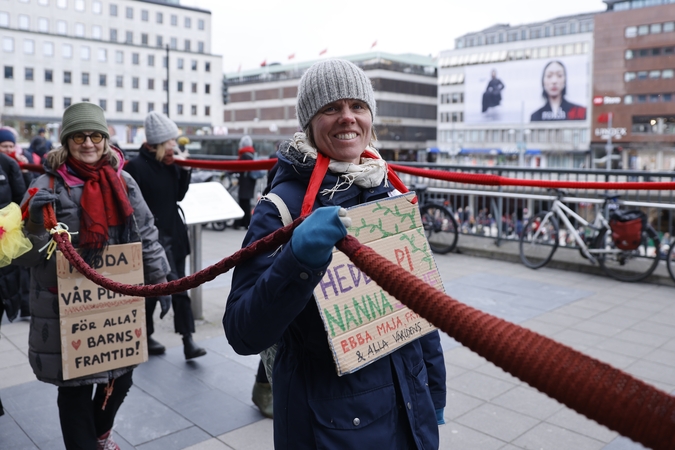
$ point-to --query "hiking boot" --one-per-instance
(154, 347)
(262, 398)
(190, 349)
(105, 442)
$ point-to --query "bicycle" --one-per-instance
(440, 225)
(541, 238)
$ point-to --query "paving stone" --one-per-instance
(552, 437)
(479, 385)
(498, 422)
(645, 338)
(177, 441)
(463, 357)
(573, 421)
(527, 400)
(623, 443)
(256, 436)
(456, 436)
(458, 404)
(652, 371)
(12, 436)
(625, 348)
(611, 358)
(211, 444)
(578, 339)
(543, 328)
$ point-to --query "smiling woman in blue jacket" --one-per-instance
(397, 401)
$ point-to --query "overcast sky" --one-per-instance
(248, 32)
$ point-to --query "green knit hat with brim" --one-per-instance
(83, 116)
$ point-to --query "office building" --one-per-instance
(112, 53)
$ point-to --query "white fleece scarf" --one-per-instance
(368, 174)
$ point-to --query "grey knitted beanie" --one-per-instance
(159, 128)
(83, 116)
(245, 141)
(329, 81)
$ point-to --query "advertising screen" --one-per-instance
(536, 90)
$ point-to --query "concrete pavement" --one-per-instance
(206, 403)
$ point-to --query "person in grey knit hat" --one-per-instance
(395, 398)
(164, 184)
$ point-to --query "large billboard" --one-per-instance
(535, 90)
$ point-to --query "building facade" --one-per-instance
(262, 101)
(112, 53)
(511, 95)
(634, 83)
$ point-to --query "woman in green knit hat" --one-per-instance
(100, 205)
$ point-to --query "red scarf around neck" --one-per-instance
(104, 204)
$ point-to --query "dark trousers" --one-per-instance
(183, 319)
(82, 418)
(261, 376)
(245, 204)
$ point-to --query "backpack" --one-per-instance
(626, 227)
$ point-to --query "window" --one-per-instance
(4, 19)
(135, 58)
(668, 27)
(29, 101)
(188, 22)
(179, 63)
(151, 60)
(113, 10)
(63, 4)
(628, 99)
(179, 86)
(119, 56)
(165, 108)
(43, 2)
(151, 107)
(629, 54)
(9, 72)
(9, 99)
(85, 78)
(179, 109)
(207, 110)
(49, 102)
(174, 43)
(628, 76)
(28, 46)
(79, 5)
(207, 88)
(113, 35)
(24, 22)
(96, 32)
(43, 25)
(174, 20)
(85, 53)
(119, 106)
(103, 104)
(193, 64)
(144, 38)
(187, 45)
(134, 107)
(654, 74)
(642, 75)
(643, 30)
(119, 81)
(165, 85)
(641, 98)
(151, 84)
(102, 54)
(85, 99)
(165, 62)
(8, 44)
(200, 24)
(193, 110)
(61, 27)
(200, 47)
(160, 43)
(145, 15)
(79, 29)
(49, 75)
(134, 82)
(129, 37)
(67, 101)
(130, 12)
(28, 75)
(67, 77)
(668, 73)
(67, 51)
(655, 28)
(194, 88)
(102, 80)
(654, 98)
(207, 66)
(159, 17)
(96, 7)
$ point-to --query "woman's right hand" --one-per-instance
(41, 198)
(313, 241)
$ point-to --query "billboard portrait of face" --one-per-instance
(536, 90)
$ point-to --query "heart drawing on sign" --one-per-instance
(138, 331)
(76, 344)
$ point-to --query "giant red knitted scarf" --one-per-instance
(104, 204)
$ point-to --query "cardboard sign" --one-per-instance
(364, 322)
(101, 330)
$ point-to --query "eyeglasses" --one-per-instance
(79, 138)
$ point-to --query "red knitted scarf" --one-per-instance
(104, 204)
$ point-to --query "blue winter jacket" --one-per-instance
(271, 302)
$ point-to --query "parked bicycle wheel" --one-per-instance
(629, 265)
(670, 259)
(440, 227)
(539, 240)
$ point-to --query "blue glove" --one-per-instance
(440, 420)
(41, 198)
(164, 304)
(313, 241)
